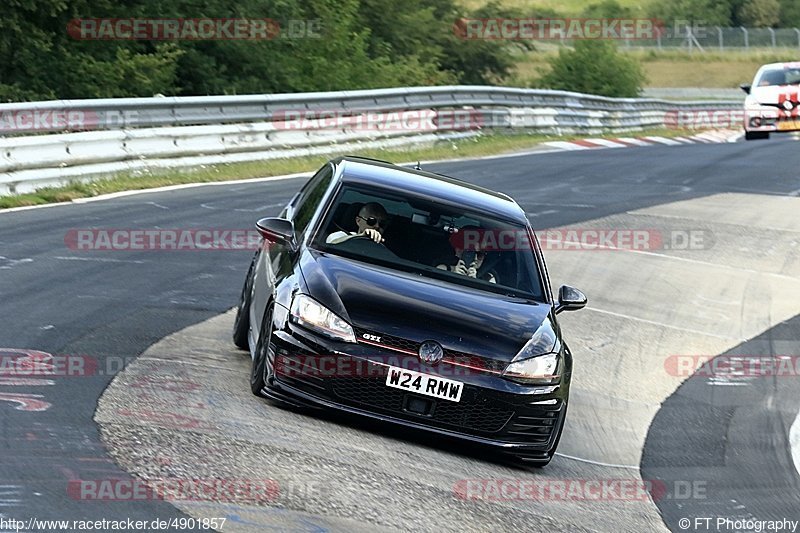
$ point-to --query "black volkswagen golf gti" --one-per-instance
(414, 298)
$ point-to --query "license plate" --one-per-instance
(789, 125)
(444, 389)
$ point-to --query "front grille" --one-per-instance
(468, 414)
(535, 424)
(450, 356)
(390, 341)
(474, 361)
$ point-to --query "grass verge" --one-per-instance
(491, 144)
(669, 68)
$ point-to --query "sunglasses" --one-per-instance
(373, 221)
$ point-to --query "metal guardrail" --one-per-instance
(687, 93)
(138, 133)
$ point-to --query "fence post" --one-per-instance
(772, 34)
(721, 41)
(746, 38)
(798, 36)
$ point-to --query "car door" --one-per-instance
(275, 262)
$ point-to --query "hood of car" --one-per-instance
(408, 306)
(774, 94)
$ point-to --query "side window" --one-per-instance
(309, 199)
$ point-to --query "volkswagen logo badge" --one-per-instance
(430, 352)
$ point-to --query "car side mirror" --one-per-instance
(570, 299)
(278, 231)
(745, 87)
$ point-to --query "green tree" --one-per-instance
(609, 9)
(594, 67)
(710, 12)
(427, 29)
(790, 13)
(759, 13)
(359, 44)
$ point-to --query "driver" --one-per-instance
(371, 222)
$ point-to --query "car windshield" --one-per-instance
(431, 239)
(779, 76)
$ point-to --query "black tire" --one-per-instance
(241, 325)
(260, 364)
(756, 135)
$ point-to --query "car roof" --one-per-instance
(433, 186)
(787, 64)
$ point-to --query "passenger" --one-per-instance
(475, 258)
(371, 222)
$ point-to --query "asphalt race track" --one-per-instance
(721, 279)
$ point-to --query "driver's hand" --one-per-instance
(472, 271)
(374, 234)
(461, 268)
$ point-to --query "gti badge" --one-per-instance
(430, 352)
(374, 338)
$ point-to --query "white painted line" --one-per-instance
(663, 140)
(608, 143)
(190, 363)
(687, 260)
(557, 145)
(683, 140)
(661, 324)
(540, 213)
(794, 442)
(598, 463)
(122, 194)
(98, 259)
(711, 137)
(12, 262)
(566, 145)
(754, 191)
(637, 142)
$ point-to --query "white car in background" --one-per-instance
(772, 103)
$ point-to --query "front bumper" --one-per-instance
(493, 411)
(770, 119)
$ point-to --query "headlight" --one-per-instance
(538, 361)
(751, 103)
(311, 314)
